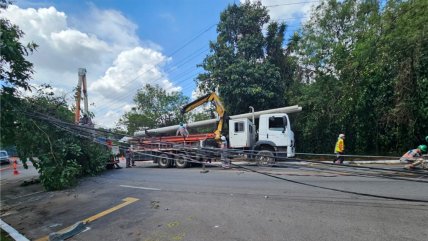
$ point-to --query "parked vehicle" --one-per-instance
(4, 157)
(265, 143)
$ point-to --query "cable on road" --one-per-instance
(332, 189)
(276, 177)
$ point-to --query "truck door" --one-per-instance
(238, 133)
(274, 128)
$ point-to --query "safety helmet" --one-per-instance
(341, 135)
(223, 138)
(423, 148)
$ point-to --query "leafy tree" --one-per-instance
(367, 65)
(246, 67)
(60, 157)
(154, 108)
(15, 70)
(59, 153)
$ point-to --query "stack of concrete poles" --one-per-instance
(171, 129)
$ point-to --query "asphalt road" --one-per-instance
(185, 204)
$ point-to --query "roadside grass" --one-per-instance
(5, 236)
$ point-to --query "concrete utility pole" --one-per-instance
(288, 109)
(81, 83)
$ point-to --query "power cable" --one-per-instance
(321, 187)
(287, 4)
(332, 189)
(109, 101)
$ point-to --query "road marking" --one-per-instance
(126, 201)
(144, 188)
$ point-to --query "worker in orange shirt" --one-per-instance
(339, 149)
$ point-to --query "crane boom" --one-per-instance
(215, 100)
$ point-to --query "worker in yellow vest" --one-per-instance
(339, 149)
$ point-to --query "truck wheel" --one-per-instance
(265, 158)
(181, 162)
(164, 161)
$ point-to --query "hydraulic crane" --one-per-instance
(215, 100)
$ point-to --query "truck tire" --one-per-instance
(265, 158)
(181, 162)
(164, 161)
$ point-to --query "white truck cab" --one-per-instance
(276, 129)
(275, 137)
(242, 133)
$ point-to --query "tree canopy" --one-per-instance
(58, 153)
(358, 67)
(246, 67)
(154, 107)
(368, 75)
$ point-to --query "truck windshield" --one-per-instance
(276, 123)
(3, 154)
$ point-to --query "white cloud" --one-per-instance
(131, 70)
(292, 12)
(109, 25)
(105, 42)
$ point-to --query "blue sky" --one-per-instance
(125, 44)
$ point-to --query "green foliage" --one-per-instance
(154, 108)
(247, 68)
(93, 159)
(367, 78)
(200, 116)
(59, 156)
(15, 70)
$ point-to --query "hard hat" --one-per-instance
(423, 148)
(341, 135)
(223, 138)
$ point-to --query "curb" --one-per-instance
(12, 232)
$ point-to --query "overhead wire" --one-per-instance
(170, 55)
(288, 4)
(91, 131)
(118, 98)
(289, 180)
(106, 105)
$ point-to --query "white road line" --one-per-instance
(12, 232)
(144, 188)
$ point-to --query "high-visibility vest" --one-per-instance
(340, 146)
